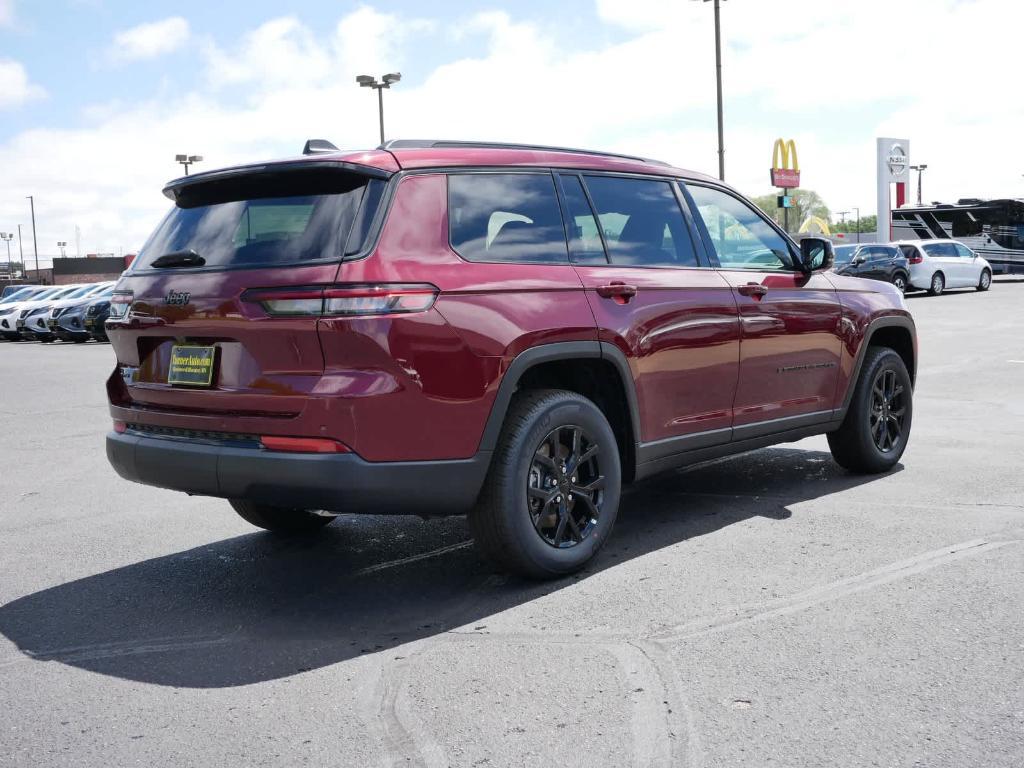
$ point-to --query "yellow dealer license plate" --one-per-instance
(191, 366)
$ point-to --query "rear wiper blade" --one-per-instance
(186, 258)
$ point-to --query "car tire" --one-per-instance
(876, 428)
(938, 284)
(284, 520)
(985, 282)
(556, 449)
(900, 281)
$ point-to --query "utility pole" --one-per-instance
(35, 243)
(21, 251)
(855, 208)
(842, 216)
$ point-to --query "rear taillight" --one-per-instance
(303, 444)
(345, 300)
(120, 302)
(917, 258)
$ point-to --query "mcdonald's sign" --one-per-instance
(785, 175)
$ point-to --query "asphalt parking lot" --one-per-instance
(766, 610)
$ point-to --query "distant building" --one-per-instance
(92, 269)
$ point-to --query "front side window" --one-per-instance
(740, 236)
(506, 217)
(641, 222)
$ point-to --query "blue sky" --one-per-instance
(96, 96)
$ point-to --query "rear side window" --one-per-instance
(264, 219)
(940, 250)
(642, 222)
(909, 251)
(585, 246)
(506, 217)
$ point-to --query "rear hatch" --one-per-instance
(229, 281)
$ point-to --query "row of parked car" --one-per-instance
(925, 265)
(50, 312)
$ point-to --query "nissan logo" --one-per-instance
(897, 160)
(177, 298)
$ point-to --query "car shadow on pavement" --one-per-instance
(258, 607)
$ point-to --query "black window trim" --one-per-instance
(563, 204)
(791, 244)
(493, 170)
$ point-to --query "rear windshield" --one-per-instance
(265, 219)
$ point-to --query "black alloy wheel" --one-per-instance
(565, 487)
(887, 411)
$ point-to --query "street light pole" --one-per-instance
(855, 208)
(368, 81)
(920, 170)
(718, 84)
(187, 160)
(35, 243)
(718, 78)
(7, 237)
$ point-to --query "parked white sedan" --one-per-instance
(936, 265)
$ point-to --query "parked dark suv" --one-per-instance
(507, 332)
(875, 262)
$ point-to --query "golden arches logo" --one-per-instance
(785, 174)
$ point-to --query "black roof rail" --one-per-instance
(442, 143)
(318, 146)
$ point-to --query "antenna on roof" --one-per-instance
(318, 146)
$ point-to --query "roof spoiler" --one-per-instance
(318, 146)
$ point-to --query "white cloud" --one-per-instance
(15, 87)
(650, 91)
(6, 13)
(147, 41)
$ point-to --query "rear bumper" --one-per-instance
(333, 482)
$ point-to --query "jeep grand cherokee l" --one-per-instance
(507, 332)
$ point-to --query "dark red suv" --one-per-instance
(508, 332)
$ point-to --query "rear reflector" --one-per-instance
(345, 300)
(120, 427)
(303, 444)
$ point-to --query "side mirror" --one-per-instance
(816, 254)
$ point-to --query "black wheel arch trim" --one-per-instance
(544, 353)
(888, 321)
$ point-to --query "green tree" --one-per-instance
(806, 202)
(867, 224)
